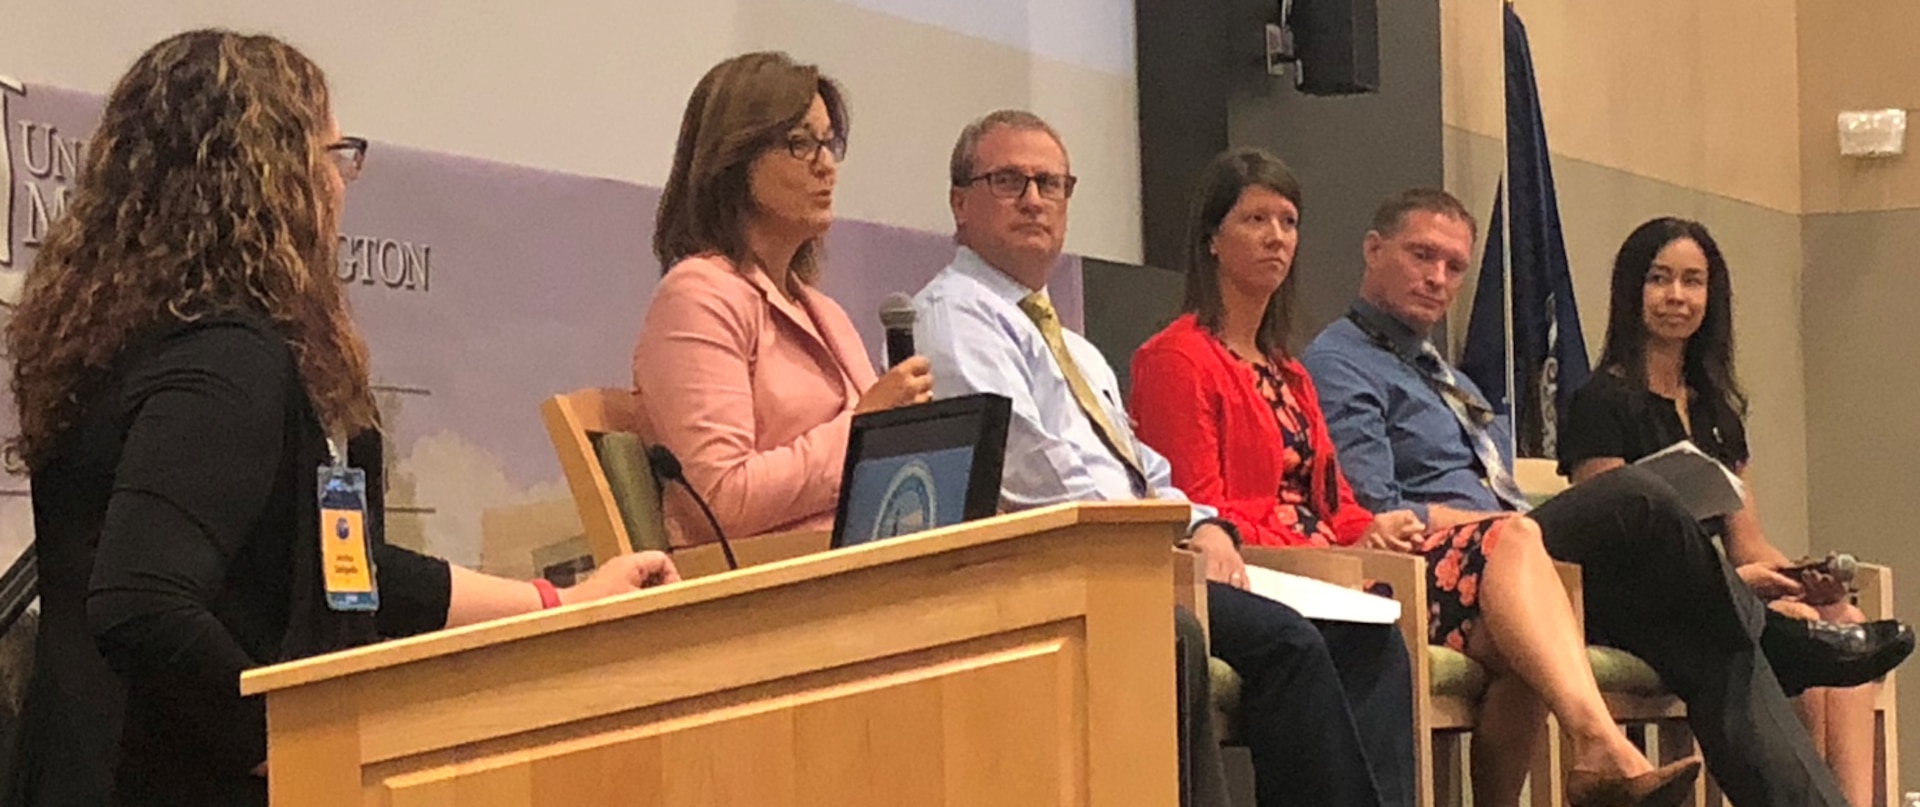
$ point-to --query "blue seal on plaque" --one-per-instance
(910, 504)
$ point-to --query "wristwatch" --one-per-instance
(1232, 531)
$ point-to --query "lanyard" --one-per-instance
(1476, 410)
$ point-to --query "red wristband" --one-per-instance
(549, 596)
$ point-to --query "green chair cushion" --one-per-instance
(1226, 699)
(635, 492)
(1453, 675)
(1617, 670)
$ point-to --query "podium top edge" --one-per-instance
(999, 529)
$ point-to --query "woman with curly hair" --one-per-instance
(187, 377)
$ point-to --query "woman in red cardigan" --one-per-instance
(1240, 422)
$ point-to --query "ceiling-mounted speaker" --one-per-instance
(1337, 45)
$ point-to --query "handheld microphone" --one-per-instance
(1843, 567)
(1840, 565)
(897, 315)
(667, 466)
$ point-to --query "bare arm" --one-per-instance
(1590, 468)
(1746, 541)
(1440, 516)
(478, 597)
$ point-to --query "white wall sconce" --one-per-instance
(1875, 133)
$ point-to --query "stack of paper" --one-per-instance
(1706, 487)
(1316, 599)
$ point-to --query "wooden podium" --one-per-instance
(1022, 660)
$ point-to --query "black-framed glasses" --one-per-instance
(807, 148)
(349, 154)
(1008, 183)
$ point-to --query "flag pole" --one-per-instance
(1506, 299)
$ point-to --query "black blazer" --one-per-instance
(178, 537)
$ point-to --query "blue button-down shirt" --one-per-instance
(1400, 444)
(969, 325)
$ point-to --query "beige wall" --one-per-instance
(1858, 54)
(1861, 235)
(1653, 109)
(596, 88)
(1473, 67)
(1696, 93)
(1863, 380)
(1473, 111)
(1723, 110)
(1861, 275)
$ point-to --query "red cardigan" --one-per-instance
(1198, 405)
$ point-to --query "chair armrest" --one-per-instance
(1330, 566)
(1875, 583)
(705, 559)
(1190, 585)
(1571, 580)
(1406, 574)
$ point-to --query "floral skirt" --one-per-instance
(1455, 558)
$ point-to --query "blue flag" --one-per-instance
(1549, 352)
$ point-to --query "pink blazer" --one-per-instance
(753, 392)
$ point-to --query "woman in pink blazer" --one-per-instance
(743, 369)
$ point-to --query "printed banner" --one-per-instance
(482, 289)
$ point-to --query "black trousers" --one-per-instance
(1656, 587)
(1326, 708)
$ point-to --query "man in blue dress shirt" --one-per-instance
(1415, 434)
(1326, 708)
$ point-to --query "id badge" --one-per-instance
(346, 561)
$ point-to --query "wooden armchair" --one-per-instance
(596, 433)
(1447, 685)
(1875, 583)
(1634, 693)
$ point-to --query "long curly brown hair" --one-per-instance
(207, 189)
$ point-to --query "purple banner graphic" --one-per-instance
(482, 289)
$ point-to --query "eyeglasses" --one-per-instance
(1008, 183)
(349, 155)
(806, 147)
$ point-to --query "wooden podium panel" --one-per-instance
(1022, 660)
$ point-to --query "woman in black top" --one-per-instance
(1666, 375)
(182, 352)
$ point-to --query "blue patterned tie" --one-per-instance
(1474, 416)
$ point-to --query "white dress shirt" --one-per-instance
(969, 324)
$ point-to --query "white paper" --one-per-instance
(1707, 488)
(1317, 599)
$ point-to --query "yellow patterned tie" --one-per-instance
(1040, 310)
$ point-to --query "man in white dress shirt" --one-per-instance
(1326, 708)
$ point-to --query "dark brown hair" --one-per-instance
(740, 109)
(1391, 215)
(1708, 361)
(205, 190)
(1219, 189)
